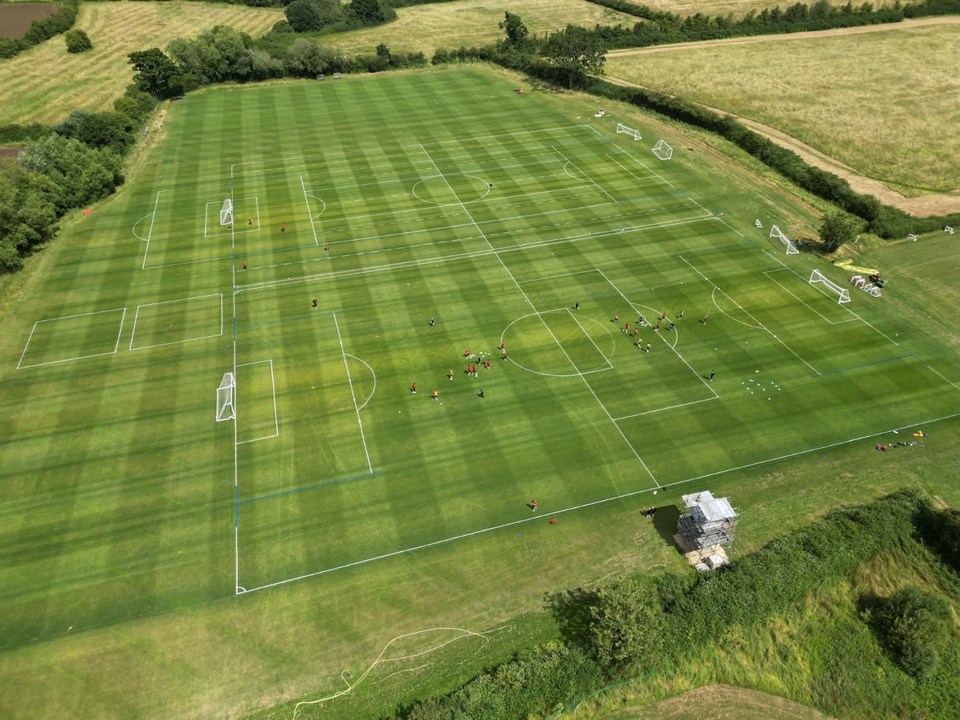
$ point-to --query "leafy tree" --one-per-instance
(156, 74)
(135, 104)
(575, 52)
(27, 214)
(217, 55)
(836, 229)
(99, 130)
(628, 625)
(303, 16)
(77, 41)
(329, 11)
(910, 625)
(79, 174)
(305, 58)
(516, 31)
(367, 12)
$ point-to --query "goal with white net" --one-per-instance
(624, 130)
(843, 295)
(226, 212)
(226, 394)
(787, 242)
(662, 150)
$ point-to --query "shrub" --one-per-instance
(910, 625)
(77, 41)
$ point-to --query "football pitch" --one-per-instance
(392, 231)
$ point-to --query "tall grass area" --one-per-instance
(884, 119)
(157, 563)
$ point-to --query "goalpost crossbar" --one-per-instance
(787, 242)
(226, 395)
(662, 150)
(843, 295)
(625, 130)
(226, 212)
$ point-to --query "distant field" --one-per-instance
(722, 8)
(15, 18)
(46, 83)
(472, 23)
(893, 118)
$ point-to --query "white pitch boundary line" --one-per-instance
(670, 407)
(506, 269)
(590, 179)
(21, 366)
(153, 219)
(389, 267)
(630, 172)
(273, 392)
(662, 338)
(560, 275)
(593, 503)
(306, 200)
(949, 382)
(760, 325)
(645, 166)
(346, 366)
(133, 331)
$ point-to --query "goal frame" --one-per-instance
(226, 212)
(843, 294)
(626, 130)
(226, 398)
(662, 150)
(791, 247)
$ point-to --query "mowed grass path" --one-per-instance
(128, 515)
(46, 83)
(472, 23)
(891, 118)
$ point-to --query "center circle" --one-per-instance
(451, 189)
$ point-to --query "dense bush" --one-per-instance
(21, 133)
(940, 530)
(910, 625)
(111, 130)
(77, 41)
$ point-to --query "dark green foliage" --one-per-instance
(156, 74)
(111, 130)
(303, 16)
(628, 626)
(532, 685)
(910, 625)
(836, 229)
(27, 214)
(80, 173)
(218, 55)
(21, 133)
(368, 12)
(516, 31)
(940, 530)
(135, 104)
(41, 30)
(77, 41)
(574, 52)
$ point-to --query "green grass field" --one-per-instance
(340, 509)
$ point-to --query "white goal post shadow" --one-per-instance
(843, 295)
(776, 232)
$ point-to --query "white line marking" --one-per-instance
(645, 166)
(346, 366)
(20, 362)
(153, 219)
(313, 228)
(374, 389)
(21, 366)
(587, 177)
(273, 391)
(944, 378)
(133, 332)
(664, 409)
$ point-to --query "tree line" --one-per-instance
(41, 30)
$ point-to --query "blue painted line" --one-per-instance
(866, 365)
(315, 486)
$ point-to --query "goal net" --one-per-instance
(843, 295)
(776, 232)
(226, 212)
(662, 150)
(624, 130)
(226, 394)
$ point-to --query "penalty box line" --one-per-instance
(593, 503)
(116, 347)
(273, 392)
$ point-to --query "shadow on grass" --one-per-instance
(573, 611)
(665, 521)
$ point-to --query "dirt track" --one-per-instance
(922, 206)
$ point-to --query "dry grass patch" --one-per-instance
(472, 23)
(46, 83)
(891, 118)
(737, 8)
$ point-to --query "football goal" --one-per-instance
(843, 295)
(226, 212)
(624, 130)
(662, 150)
(776, 232)
(225, 398)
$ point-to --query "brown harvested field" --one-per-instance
(45, 83)
(15, 18)
(891, 119)
(471, 23)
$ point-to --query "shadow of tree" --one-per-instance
(573, 611)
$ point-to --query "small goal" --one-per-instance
(226, 212)
(843, 295)
(776, 232)
(624, 130)
(662, 150)
(226, 395)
